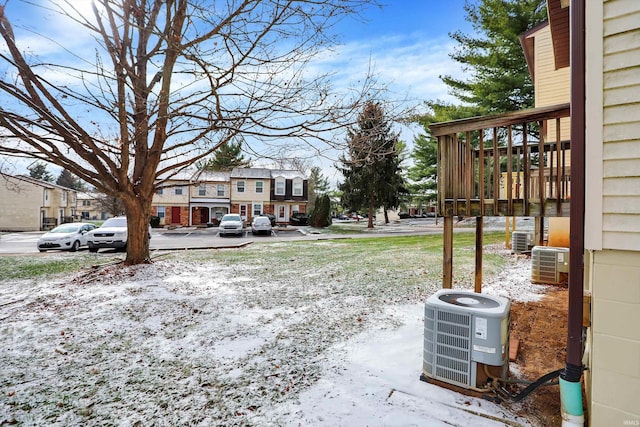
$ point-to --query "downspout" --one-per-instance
(570, 379)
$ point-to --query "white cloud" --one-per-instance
(409, 65)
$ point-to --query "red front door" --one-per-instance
(175, 214)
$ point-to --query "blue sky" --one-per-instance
(405, 42)
(408, 44)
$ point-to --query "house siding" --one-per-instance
(20, 204)
(612, 229)
(24, 201)
(615, 336)
(552, 86)
(621, 125)
(176, 206)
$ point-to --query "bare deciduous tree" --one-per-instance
(165, 84)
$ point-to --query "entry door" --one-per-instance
(243, 212)
(175, 214)
(282, 213)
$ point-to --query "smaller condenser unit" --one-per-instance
(521, 241)
(465, 333)
(549, 265)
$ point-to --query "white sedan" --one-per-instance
(66, 237)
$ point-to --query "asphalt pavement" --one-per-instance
(189, 238)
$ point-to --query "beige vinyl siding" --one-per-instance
(20, 205)
(612, 231)
(615, 355)
(621, 125)
(552, 87)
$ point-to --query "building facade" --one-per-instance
(201, 198)
(612, 210)
(171, 201)
(250, 189)
(210, 197)
(289, 194)
(29, 204)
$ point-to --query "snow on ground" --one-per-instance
(514, 281)
(193, 343)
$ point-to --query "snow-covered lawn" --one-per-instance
(324, 337)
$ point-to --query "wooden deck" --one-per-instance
(514, 164)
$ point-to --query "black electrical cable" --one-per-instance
(534, 385)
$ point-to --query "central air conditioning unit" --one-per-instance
(521, 241)
(550, 265)
(466, 335)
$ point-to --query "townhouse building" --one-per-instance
(289, 194)
(200, 198)
(171, 201)
(29, 204)
(250, 192)
(90, 207)
(210, 197)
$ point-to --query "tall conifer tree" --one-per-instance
(371, 168)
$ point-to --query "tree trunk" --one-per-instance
(371, 213)
(137, 232)
(386, 216)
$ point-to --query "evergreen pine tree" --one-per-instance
(227, 157)
(39, 171)
(67, 179)
(371, 168)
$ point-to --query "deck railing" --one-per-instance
(514, 164)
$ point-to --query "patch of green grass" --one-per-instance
(25, 267)
(407, 260)
(343, 229)
(401, 256)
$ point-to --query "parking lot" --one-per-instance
(205, 238)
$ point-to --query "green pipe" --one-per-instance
(571, 403)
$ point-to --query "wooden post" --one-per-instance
(539, 231)
(447, 248)
(478, 275)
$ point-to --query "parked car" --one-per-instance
(65, 237)
(272, 219)
(111, 234)
(299, 219)
(404, 215)
(261, 225)
(231, 224)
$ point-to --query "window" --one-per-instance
(64, 198)
(257, 209)
(297, 187)
(161, 211)
(280, 186)
(295, 209)
(202, 190)
(259, 187)
(86, 203)
(160, 191)
(240, 186)
(220, 190)
(177, 191)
